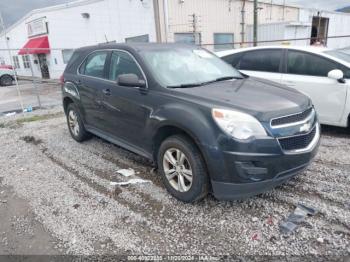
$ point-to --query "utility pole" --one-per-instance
(3, 28)
(255, 27)
(194, 24)
(243, 22)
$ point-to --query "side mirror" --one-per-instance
(336, 74)
(131, 80)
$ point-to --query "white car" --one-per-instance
(7, 77)
(322, 74)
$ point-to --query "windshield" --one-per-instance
(187, 67)
(343, 54)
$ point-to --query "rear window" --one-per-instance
(94, 65)
(233, 59)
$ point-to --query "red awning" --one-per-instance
(39, 45)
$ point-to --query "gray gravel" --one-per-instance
(67, 185)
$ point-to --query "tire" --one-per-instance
(6, 80)
(179, 183)
(75, 124)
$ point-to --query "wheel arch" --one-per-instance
(4, 75)
(66, 101)
(168, 130)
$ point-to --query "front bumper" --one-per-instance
(250, 173)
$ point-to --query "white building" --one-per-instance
(57, 30)
(213, 23)
(310, 23)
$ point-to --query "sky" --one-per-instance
(12, 10)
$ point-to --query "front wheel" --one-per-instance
(183, 169)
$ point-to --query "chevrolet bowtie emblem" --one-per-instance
(305, 128)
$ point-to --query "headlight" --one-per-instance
(237, 124)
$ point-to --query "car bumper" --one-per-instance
(248, 174)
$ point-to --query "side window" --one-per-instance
(262, 60)
(233, 59)
(302, 63)
(94, 65)
(122, 63)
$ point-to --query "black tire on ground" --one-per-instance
(6, 80)
(82, 134)
(200, 179)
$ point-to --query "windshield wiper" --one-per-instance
(222, 79)
(185, 85)
(227, 78)
(205, 83)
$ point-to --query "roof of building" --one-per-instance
(49, 9)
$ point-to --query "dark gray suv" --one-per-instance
(206, 127)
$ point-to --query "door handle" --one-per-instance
(106, 92)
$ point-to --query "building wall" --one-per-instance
(109, 20)
(281, 31)
(216, 16)
(339, 24)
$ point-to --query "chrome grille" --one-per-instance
(291, 118)
(297, 142)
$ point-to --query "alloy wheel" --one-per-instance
(177, 169)
(73, 122)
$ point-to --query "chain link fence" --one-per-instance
(29, 79)
(34, 73)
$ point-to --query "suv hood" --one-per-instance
(261, 98)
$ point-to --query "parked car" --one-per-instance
(207, 127)
(6, 66)
(322, 74)
(6, 77)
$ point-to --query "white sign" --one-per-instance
(37, 27)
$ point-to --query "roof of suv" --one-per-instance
(138, 46)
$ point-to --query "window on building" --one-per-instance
(15, 61)
(26, 61)
(267, 60)
(123, 63)
(187, 38)
(138, 39)
(94, 65)
(67, 54)
(302, 63)
(223, 41)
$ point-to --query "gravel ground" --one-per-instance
(67, 186)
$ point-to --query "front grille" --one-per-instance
(297, 142)
(291, 118)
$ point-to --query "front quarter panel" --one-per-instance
(198, 124)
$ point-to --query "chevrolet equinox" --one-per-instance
(206, 126)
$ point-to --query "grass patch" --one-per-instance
(38, 118)
(2, 125)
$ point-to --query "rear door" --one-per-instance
(91, 81)
(307, 73)
(263, 63)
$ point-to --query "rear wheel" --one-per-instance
(6, 80)
(75, 124)
(183, 169)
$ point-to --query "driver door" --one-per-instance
(125, 107)
(307, 73)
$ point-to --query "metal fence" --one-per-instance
(35, 79)
(36, 73)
